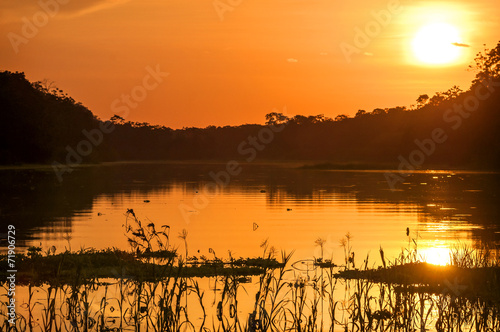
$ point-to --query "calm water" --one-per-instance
(289, 207)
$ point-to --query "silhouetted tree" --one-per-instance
(301, 120)
(452, 93)
(422, 100)
(360, 113)
(275, 118)
(38, 123)
(116, 119)
(395, 110)
(319, 118)
(378, 111)
(437, 99)
(487, 64)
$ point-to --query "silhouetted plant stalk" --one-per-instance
(280, 305)
(286, 298)
(227, 307)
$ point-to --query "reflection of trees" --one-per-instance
(35, 198)
(454, 200)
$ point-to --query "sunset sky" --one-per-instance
(233, 61)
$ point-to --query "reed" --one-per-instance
(144, 291)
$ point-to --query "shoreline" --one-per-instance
(305, 165)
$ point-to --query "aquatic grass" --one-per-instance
(158, 306)
(270, 299)
(482, 256)
(229, 296)
(48, 313)
(411, 291)
(195, 288)
(345, 243)
(328, 289)
(142, 293)
(298, 300)
(65, 268)
(146, 239)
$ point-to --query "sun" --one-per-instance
(437, 44)
(436, 255)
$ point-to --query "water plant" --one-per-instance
(140, 290)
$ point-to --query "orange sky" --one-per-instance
(262, 54)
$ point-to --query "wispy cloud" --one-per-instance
(12, 11)
(79, 8)
(292, 60)
(460, 45)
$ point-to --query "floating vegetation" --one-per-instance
(467, 282)
(87, 264)
(138, 290)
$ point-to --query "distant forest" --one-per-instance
(42, 124)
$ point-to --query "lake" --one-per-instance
(289, 207)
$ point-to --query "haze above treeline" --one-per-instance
(452, 129)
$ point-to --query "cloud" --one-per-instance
(292, 60)
(460, 45)
(14, 11)
(368, 54)
(79, 8)
(323, 53)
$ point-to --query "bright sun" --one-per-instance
(434, 44)
(436, 256)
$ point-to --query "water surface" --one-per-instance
(289, 207)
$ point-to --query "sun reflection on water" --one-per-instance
(436, 255)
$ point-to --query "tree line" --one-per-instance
(40, 123)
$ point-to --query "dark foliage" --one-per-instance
(40, 124)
